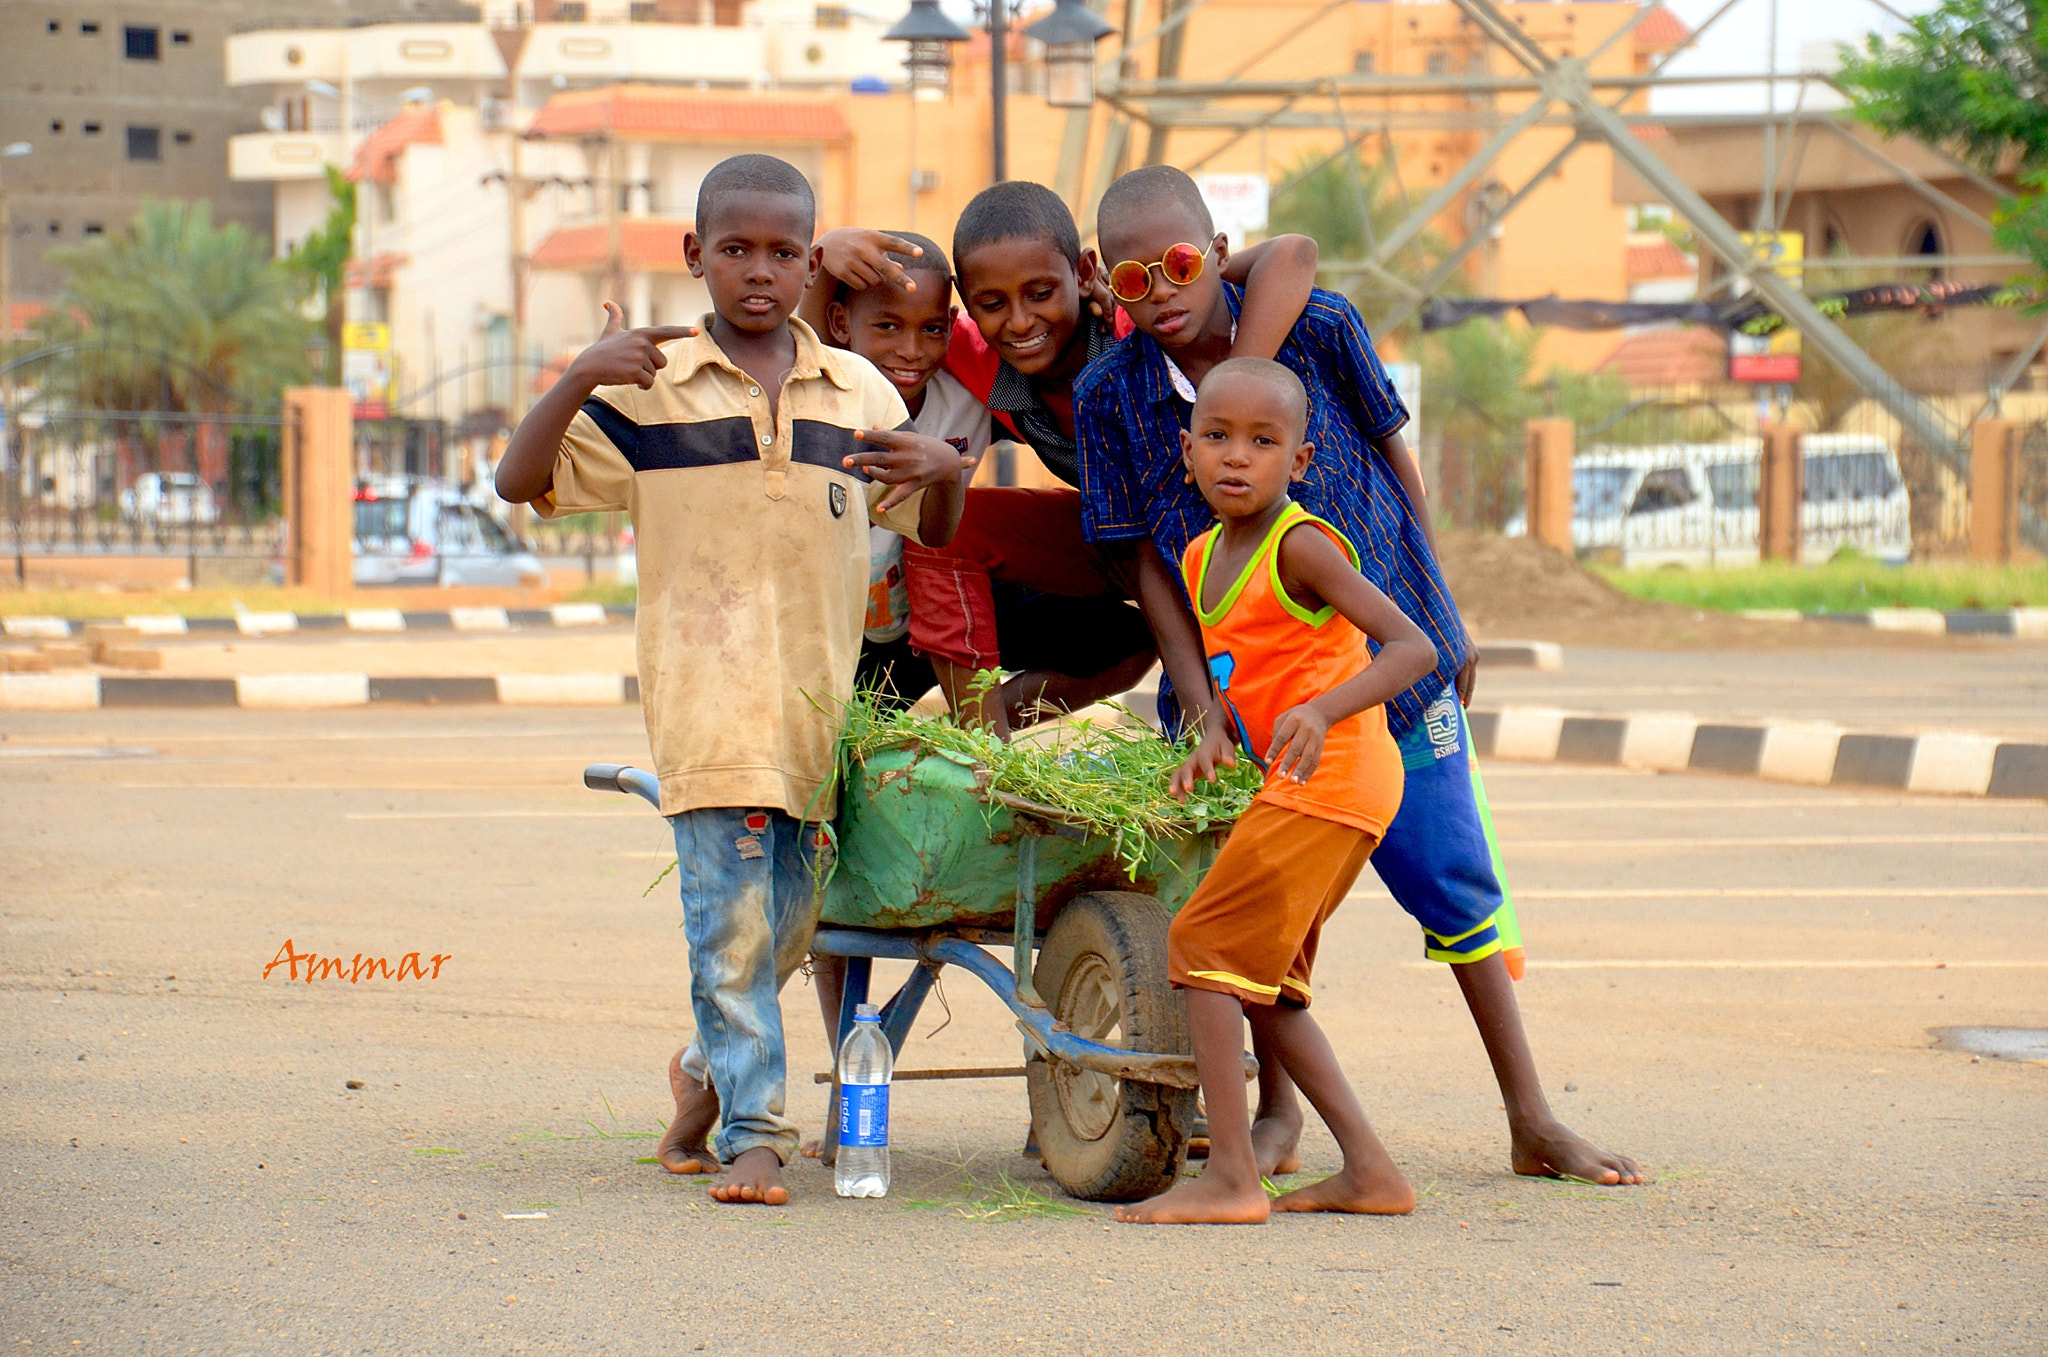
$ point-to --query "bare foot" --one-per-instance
(754, 1178)
(1206, 1200)
(1551, 1149)
(685, 1147)
(814, 1149)
(1387, 1194)
(1276, 1142)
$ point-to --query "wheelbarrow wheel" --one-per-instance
(1103, 971)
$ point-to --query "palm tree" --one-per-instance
(320, 261)
(178, 314)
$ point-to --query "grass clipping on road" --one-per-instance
(1109, 780)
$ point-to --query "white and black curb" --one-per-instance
(356, 619)
(2027, 624)
(1813, 752)
(305, 692)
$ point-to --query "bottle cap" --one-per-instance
(867, 1013)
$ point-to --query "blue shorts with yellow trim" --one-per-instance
(1438, 858)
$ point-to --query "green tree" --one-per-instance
(1477, 391)
(177, 313)
(1347, 208)
(321, 260)
(1972, 73)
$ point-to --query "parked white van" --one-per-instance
(1694, 504)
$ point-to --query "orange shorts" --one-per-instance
(1252, 926)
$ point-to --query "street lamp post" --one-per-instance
(1070, 33)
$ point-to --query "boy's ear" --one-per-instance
(693, 253)
(1221, 244)
(1302, 456)
(1087, 267)
(838, 325)
(1187, 462)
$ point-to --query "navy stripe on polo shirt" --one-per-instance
(1128, 422)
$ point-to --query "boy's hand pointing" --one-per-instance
(859, 257)
(622, 357)
(908, 461)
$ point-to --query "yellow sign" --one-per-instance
(366, 367)
(1784, 251)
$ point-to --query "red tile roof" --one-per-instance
(644, 243)
(1687, 355)
(1659, 259)
(654, 113)
(25, 315)
(1660, 31)
(377, 157)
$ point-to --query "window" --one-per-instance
(1438, 62)
(141, 43)
(93, 228)
(182, 138)
(571, 12)
(1853, 475)
(89, 27)
(644, 12)
(1925, 240)
(55, 228)
(831, 16)
(145, 143)
(1364, 63)
(1669, 488)
(56, 25)
(180, 38)
(90, 129)
(56, 126)
(1597, 491)
(1733, 484)
(726, 13)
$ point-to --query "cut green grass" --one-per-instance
(1839, 586)
(1005, 1199)
(437, 1149)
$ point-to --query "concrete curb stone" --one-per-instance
(355, 619)
(1811, 752)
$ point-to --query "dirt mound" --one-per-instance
(1517, 588)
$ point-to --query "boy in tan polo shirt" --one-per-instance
(737, 451)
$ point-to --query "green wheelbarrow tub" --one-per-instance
(923, 843)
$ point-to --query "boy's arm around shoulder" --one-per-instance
(1277, 276)
(619, 357)
(1313, 565)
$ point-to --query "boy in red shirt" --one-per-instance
(1285, 617)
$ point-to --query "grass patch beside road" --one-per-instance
(1839, 586)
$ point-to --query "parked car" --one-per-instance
(169, 498)
(427, 534)
(1695, 504)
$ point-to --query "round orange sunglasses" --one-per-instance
(1131, 281)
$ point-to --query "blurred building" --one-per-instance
(126, 102)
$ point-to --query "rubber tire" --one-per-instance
(1142, 1152)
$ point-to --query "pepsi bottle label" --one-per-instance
(864, 1115)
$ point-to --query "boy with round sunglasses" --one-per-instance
(1437, 858)
(1024, 284)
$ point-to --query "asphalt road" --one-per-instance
(1733, 981)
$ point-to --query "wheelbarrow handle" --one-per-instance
(619, 777)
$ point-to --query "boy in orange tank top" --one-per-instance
(1285, 617)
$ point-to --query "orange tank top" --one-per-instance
(1267, 654)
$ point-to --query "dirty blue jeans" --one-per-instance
(749, 909)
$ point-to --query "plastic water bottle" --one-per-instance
(865, 1064)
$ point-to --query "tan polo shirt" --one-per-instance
(753, 559)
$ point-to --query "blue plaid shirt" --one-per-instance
(1128, 422)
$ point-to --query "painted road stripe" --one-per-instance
(1661, 805)
(479, 619)
(157, 624)
(577, 614)
(1813, 841)
(301, 692)
(375, 619)
(49, 692)
(620, 813)
(266, 624)
(561, 690)
(1796, 964)
(36, 628)
(1792, 893)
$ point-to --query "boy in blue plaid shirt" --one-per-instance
(1131, 405)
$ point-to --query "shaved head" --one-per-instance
(1275, 382)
